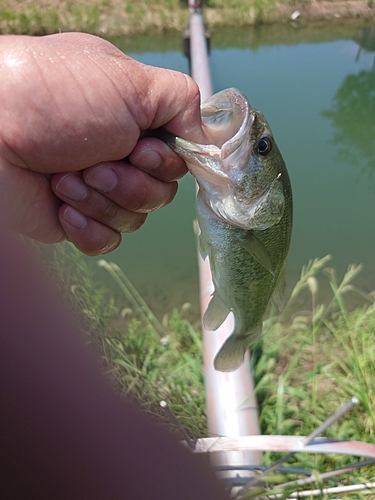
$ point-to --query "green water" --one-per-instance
(316, 87)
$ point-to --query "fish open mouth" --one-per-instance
(227, 120)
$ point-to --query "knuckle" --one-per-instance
(110, 212)
(193, 93)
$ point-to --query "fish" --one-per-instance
(244, 212)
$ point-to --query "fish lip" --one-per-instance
(196, 155)
(234, 142)
(191, 150)
(230, 146)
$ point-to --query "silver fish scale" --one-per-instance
(238, 278)
(241, 282)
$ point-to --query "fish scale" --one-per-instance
(244, 211)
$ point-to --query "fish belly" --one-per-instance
(242, 286)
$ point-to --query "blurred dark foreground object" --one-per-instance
(65, 434)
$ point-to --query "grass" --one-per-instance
(124, 17)
(101, 17)
(306, 365)
(147, 360)
(313, 363)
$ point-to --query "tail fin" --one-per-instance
(232, 353)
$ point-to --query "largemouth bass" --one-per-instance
(244, 211)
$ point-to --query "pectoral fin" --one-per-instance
(203, 246)
(257, 250)
(215, 314)
(278, 294)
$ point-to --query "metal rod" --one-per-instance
(226, 393)
(326, 475)
(338, 414)
(172, 417)
(303, 442)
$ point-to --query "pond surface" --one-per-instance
(316, 88)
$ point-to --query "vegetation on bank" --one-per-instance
(123, 17)
(306, 365)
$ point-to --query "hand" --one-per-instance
(72, 107)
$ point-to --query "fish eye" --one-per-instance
(264, 145)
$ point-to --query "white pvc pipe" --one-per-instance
(230, 401)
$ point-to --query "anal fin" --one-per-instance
(232, 353)
(215, 313)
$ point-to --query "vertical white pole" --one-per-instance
(226, 393)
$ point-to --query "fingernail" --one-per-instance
(72, 187)
(101, 178)
(147, 158)
(75, 218)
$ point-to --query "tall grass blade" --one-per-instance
(132, 295)
(310, 270)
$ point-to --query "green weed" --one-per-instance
(147, 361)
(312, 363)
(306, 365)
(123, 17)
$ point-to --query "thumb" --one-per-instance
(178, 107)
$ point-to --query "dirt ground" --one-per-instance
(329, 9)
